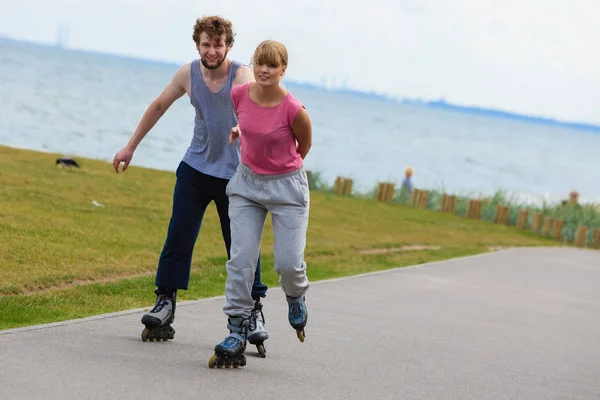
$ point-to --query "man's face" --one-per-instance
(213, 51)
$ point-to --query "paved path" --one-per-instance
(514, 324)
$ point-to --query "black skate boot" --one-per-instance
(158, 320)
(230, 352)
(257, 334)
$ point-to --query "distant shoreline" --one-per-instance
(438, 104)
(442, 104)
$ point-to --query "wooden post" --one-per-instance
(342, 185)
(469, 209)
(423, 199)
(581, 236)
(386, 194)
(385, 191)
(389, 192)
(502, 213)
(558, 228)
(597, 238)
(347, 186)
(452, 205)
(448, 203)
(499, 214)
(474, 209)
(380, 187)
(522, 219)
(337, 186)
(416, 194)
(536, 222)
(548, 227)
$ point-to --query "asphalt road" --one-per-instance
(512, 324)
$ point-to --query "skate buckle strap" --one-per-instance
(231, 342)
(238, 325)
(297, 310)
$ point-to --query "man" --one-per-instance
(203, 174)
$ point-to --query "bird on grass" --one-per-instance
(67, 162)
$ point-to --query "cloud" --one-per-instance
(529, 56)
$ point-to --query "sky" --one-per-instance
(537, 57)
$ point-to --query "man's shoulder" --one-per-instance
(243, 74)
(240, 65)
(242, 69)
(185, 66)
(183, 72)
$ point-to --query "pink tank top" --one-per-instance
(268, 142)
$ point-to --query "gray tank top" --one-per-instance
(210, 151)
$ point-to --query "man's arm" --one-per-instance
(173, 91)
(302, 128)
(242, 75)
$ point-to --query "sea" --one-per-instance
(86, 104)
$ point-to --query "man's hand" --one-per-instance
(123, 156)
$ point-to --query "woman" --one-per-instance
(275, 134)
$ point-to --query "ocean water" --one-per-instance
(87, 104)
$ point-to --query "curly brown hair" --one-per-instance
(214, 26)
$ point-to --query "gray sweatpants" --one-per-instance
(251, 196)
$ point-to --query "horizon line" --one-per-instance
(440, 103)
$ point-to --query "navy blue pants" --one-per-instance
(193, 193)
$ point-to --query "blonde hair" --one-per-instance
(409, 171)
(270, 52)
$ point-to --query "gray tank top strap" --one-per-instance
(210, 151)
(198, 86)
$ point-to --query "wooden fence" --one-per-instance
(546, 226)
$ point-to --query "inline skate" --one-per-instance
(256, 329)
(297, 315)
(230, 352)
(158, 320)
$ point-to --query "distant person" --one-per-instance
(204, 172)
(407, 182)
(573, 199)
(276, 135)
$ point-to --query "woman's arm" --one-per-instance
(302, 128)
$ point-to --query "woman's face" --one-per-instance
(268, 74)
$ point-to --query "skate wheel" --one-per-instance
(213, 361)
(261, 350)
(145, 335)
(300, 335)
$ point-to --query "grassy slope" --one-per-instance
(63, 257)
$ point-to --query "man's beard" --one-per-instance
(207, 66)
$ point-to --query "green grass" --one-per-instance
(63, 257)
(572, 215)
